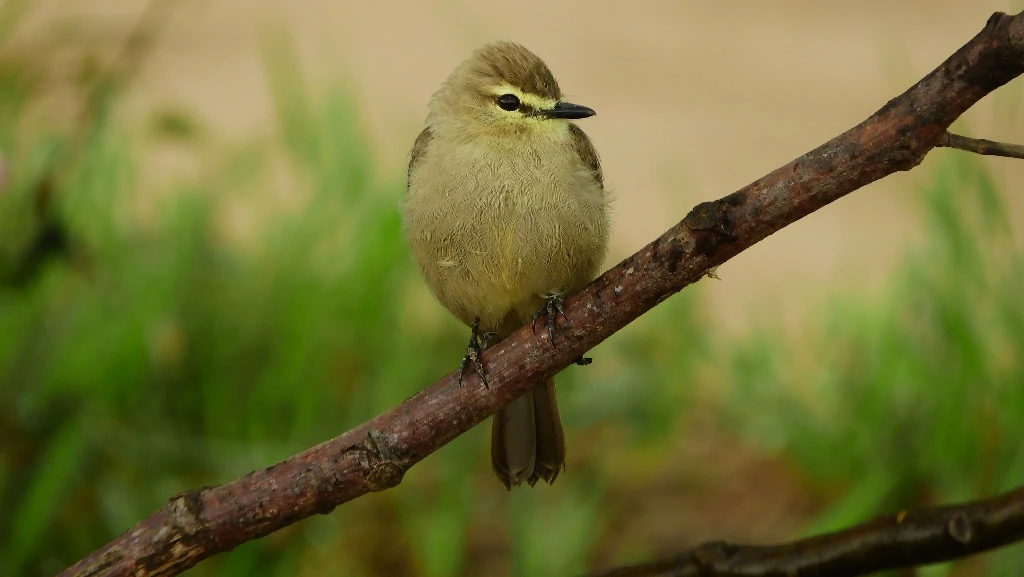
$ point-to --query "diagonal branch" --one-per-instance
(907, 538)
(375, 455)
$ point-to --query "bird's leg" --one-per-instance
(552, 305)
(476, 346)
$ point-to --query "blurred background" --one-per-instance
(202, 272)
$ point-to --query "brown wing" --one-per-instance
(418, 148)
(587, 153)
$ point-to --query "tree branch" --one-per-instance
(979, 146)
(890, 542)
(375, 455)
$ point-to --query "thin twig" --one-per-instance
(894, 541)
(980, 146)
(126, 63)
(3, 172)
(52, 237)
(375, 455)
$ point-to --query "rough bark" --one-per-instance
(890, 542)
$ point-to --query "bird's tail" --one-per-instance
(527, 441)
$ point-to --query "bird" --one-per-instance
(505, 213)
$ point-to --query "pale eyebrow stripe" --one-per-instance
(530, 100)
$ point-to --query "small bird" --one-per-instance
(505, 213)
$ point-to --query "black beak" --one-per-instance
(568, 111)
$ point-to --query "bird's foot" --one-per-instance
(552, 305)
(476, 346)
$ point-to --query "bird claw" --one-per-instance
(477, 344)
(552, 305)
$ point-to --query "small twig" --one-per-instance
(980, 146)
(906, 538)
(3, 173)
(52, 237)
(126, 63)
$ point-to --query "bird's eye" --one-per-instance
(508, 102)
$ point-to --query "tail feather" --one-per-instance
(527, 440)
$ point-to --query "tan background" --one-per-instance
(694, 99)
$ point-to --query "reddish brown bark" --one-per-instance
(375, 455)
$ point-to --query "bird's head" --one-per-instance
(502, 88)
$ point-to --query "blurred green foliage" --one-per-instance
(148, 354)
(154, 356)
(914, 396)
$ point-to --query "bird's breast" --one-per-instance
(493, 227)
